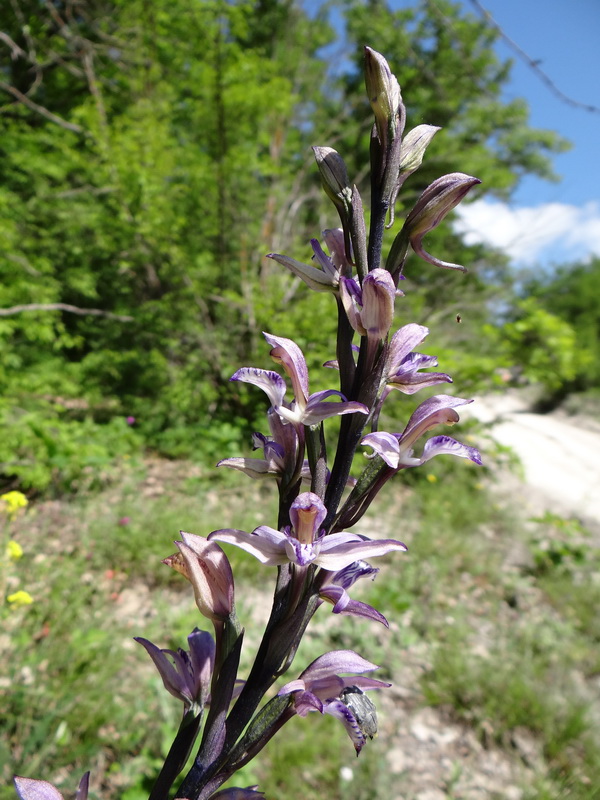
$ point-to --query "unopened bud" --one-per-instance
(370, 308)
(334, 176)
(207, 568)
(378, 296)
(383, 90)
(413, 148)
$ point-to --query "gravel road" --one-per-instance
(560, 455)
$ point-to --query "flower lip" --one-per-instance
(306, 515)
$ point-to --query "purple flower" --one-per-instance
(280, 451)
(334, 591)
(306, 409)
(130, 420)
(304, 542)
(319, 688)
(403, 367)
(438, 199)
(186, 674)
(396, 449)
(29, 789)
(370, 308)
(325, 279)
(207, 568)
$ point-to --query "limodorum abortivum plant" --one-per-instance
(310, 551)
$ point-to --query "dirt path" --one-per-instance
(560, 456)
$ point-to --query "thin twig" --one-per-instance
(94, 312)
(533, 63)
(70, 126)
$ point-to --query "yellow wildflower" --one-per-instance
(431, 478)
(12, 503)
(14, 551)
(20, 598)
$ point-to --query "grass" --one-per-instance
(510, 652)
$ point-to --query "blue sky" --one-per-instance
(546, 223)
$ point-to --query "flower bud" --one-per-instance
(370, 308)
(413, 148)
(383, 90)
(207, 568)
(378, 297)
(334, 176)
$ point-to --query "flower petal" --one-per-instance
(341, 711)
(306, 515)
(264, 543)
(385, 445)
(403, 342)
(378, 298)
(348, 576)
(288, 354)
(235, 793)
(351, 297)
(343, 604)
(305, 702)
(326, 263)
(435, 410)
(336, 661)
(253, 467)
(318, 409)
(446, 445)
(209, 573)
(172, 680)
(270, 382)
(317, 279)
(30, 789)
(335, 556)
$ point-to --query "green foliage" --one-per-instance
(560, 546)
(570, 293)
(44, 449)
(542, 346)
(71, 708)
(170, 153)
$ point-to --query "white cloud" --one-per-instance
(548, 233)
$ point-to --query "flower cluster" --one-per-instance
(317, 557)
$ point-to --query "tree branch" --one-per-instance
(70, 126)
(533, 63)
(94, 312)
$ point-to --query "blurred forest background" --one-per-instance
(152, 153)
